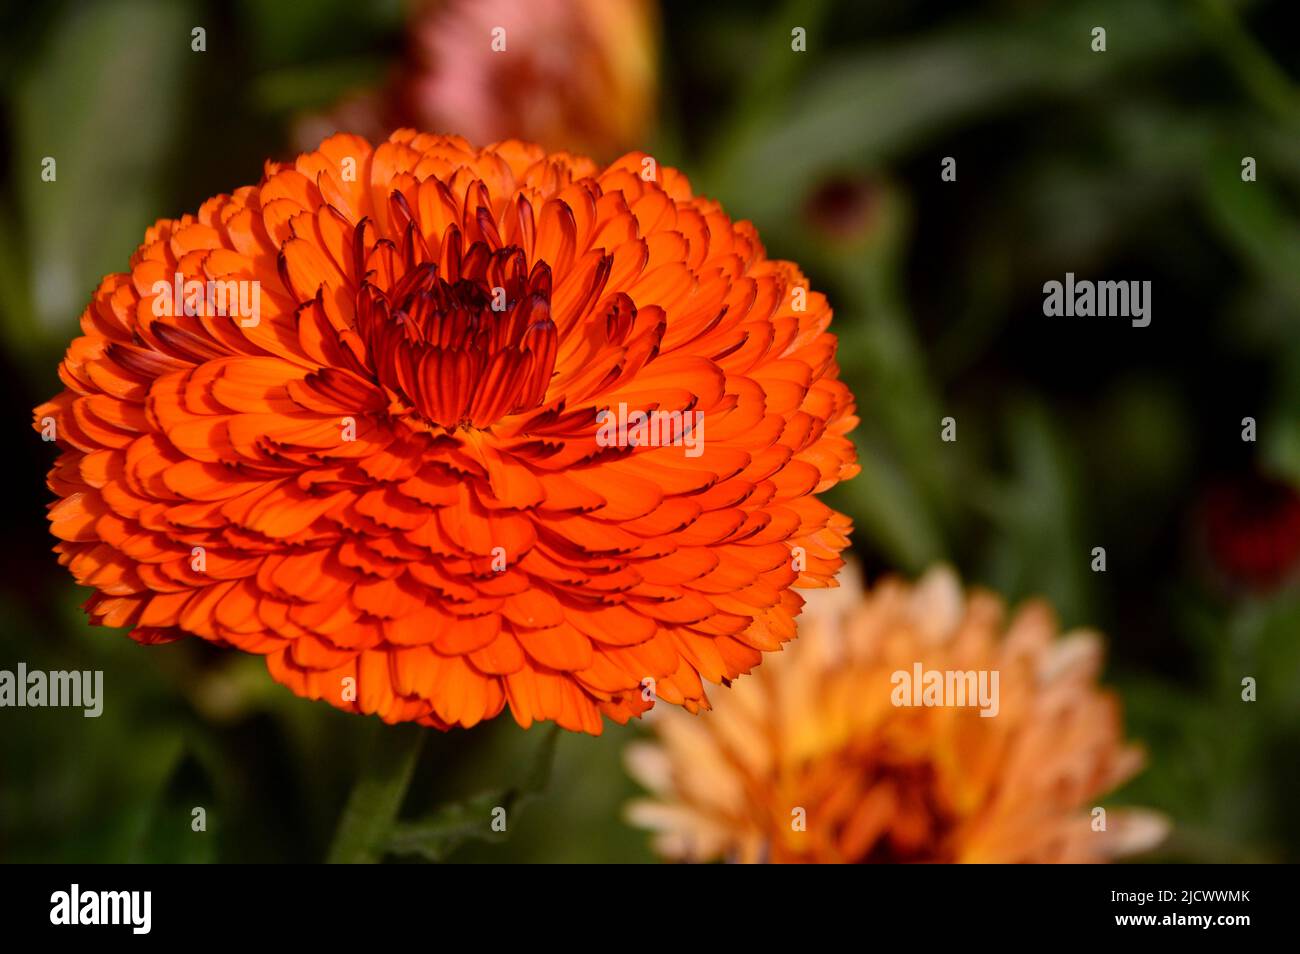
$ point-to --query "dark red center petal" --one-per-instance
(465, 341)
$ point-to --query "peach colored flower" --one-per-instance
(811, 760)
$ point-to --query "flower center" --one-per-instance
(466, 341)
(876, 806)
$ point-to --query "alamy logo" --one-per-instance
(947, 688)
(240, 299)
(103, 907)
(75, 689)
(1087, 299)
(656, 429)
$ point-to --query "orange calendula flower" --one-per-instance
(358, 419)
(879, 735)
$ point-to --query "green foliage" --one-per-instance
(80, 104)
(439, 834)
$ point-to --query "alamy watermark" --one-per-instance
(1088, 299)
(656, 428)
(947, 688)
(58, 688)
(134, 908)
(238, 299)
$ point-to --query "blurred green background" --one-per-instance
(1072, 434)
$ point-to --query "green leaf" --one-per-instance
(101, 101)
(169, 836)
(378, 794)
(437, 835)
(1251, 217)
(870, 105)
(887, 509)
(1038, 549)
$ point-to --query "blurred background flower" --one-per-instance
(813, 759)
(1070, 434)
(1251, 528)
(575, 75)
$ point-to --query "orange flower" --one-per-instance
(579, 75)
(824, 755)
(383, 471)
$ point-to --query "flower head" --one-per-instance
(822, 757)
(579, 75)
(1251, 526)
(348, 419)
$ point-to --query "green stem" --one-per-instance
(377, 795)
(1261, 77)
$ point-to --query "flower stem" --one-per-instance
(377, 795)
